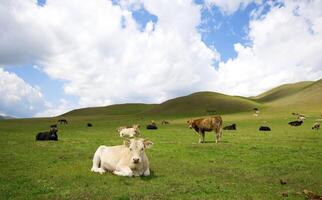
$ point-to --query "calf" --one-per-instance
(207, 124)
(295, 123)
(316, 126)
(128, 159)
(230, 127)
(130, 132)
(48, 135)
(264, 128)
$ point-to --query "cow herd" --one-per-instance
(130, 159)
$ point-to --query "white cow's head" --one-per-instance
(136, 148)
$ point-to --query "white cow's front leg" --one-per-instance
(98, 170)
(123, 171)
(147, 172)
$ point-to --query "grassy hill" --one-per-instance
(306, 98)
(282, 91)
(203, 103)
(305, 95)
(118, 109)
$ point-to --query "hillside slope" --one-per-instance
(307, 98)
(203, 103)
(282, 91)
(117, 109)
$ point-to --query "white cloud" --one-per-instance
(17, 98)
(286, 47)
(106, 63)
(230, 6)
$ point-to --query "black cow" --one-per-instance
(151, 126)
(296, 123)
(230, 127)
(89, 125)
(264, 128)
(48, 135)
(62, 121)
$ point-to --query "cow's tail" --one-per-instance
(97, 159)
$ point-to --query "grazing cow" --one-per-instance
(316, 125)
(128, 159)
(151, 127)
(48, 135)
(130, 132)
(296, 123)
(264, 128)
(62, 121)
(165, 122)
(89, 124)
(207, 124)
(230, 127)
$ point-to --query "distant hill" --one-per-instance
(299, 96)
(308, 97)
(118, 109)
(5, 117)
(204, 103)
(282, 91)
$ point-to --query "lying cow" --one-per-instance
(151, 127)
(128, 126)
(316, 126)
(48, 135)
(207, 124)
(89, 124)
(130, 132)
(128, 159)
(295, 123)
(230, 127)
(264, 128)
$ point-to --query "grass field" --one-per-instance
(247, 164)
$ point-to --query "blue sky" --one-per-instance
(81, 69)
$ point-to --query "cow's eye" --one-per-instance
(130, 149)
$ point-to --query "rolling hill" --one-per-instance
(305, 95)
(203, 103)
(282, 91)
(306, 98)
(117, 109)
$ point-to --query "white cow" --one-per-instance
(129, 132)
(128, 159)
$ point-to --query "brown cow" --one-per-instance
(207, 124)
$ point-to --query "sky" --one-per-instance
(58, 55)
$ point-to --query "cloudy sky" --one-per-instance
(57, 55)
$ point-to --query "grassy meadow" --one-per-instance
(246, 164)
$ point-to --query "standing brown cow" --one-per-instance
(207, 124)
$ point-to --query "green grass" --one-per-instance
(247, 164)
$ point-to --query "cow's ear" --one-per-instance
(127, 142)
(147, 143)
